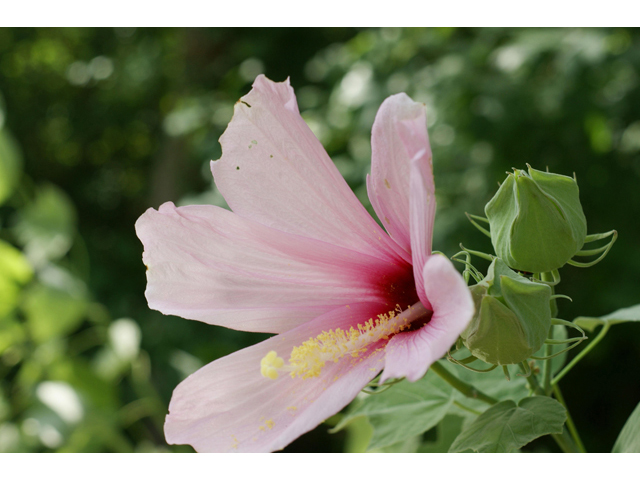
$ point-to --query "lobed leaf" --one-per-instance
(403, 411)
(508, 426)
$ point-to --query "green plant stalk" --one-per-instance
(465, 388)
(570, 425)
(546, 367)
(564, 440)
(579, 357)
(534, 384)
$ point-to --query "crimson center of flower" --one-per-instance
(308, 359)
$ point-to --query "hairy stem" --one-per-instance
(570, 425)
(564, 440)
(465, 388)
(546, 369)
(578, 357)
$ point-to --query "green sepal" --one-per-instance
(531, 303)
(513, 317)
(502, 212)
(567, 195)
(498, 336)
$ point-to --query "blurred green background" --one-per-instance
(97, 125)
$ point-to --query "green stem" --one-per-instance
(532, 380)
(546, 370)
(563, 440)
(466, 389)
(578, 357)
(570, 425)
(546, 366)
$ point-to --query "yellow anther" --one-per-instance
(308, 359)
(270, 364)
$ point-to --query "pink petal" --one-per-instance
(275, 171)
(228, 406)
(410, 354)
(422, 202)
(206, 263)
(399, 132)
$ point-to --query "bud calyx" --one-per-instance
(513, 317)
(536, 220)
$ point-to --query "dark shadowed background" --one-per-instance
(97, 125)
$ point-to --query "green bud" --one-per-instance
(536, 220)
(513, 317)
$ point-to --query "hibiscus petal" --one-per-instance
(422, 206)
(399, 132)
(227, 406)
(206, 263)
(410, 354)
(275, 171)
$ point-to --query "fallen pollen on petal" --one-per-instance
(270, 364)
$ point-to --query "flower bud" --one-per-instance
(536, 221)
(512, 319)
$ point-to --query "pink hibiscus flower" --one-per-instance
(301, 257)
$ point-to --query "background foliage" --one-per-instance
(96, 125)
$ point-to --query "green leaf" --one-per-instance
(14, 272)
(12, 334)
(506, 427)
(46, 226)
(446, 432)
(359, 433)
(52, 312)
(408, 445)
(630, 314)
(10, 164)
(79, 374)
(629, 439)
(492, 383)
(97, 433)
(403, 411)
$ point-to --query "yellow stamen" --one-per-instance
(308, 359)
